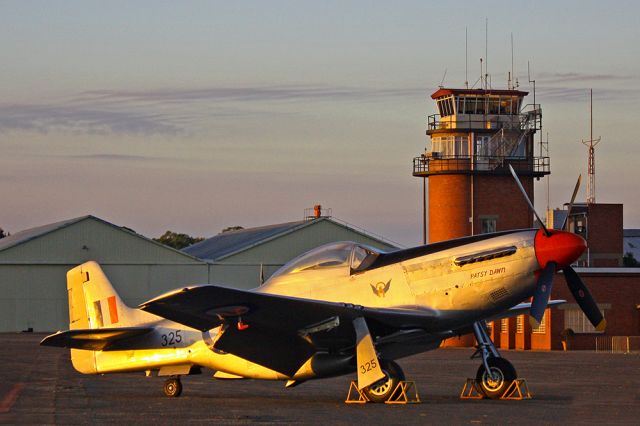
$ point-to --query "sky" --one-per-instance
(194, 116)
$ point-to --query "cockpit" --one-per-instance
(354, 256)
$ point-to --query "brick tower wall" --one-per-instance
(499, 196)
(449, 207)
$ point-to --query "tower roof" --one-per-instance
(445, 91)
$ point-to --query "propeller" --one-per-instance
(583, 296)
(555, 250)
(526, 198)
(573, 198)
(542, 294)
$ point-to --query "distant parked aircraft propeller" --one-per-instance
(556, 244)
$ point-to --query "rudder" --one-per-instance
(93, 303)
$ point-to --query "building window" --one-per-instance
(494, 106)
(505, 106)
(542, 328)
(482, 146)
(504, 325)
(470, 107)
(578, 322)
(488, 224)
(445, 106)
(520, 324)
(451, 146)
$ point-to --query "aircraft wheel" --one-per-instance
(173, 387)
(504, 373)
(381, 390)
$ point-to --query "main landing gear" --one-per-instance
(382, 390)
(173, 387)
(495, 374)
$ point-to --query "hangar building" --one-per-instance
(34, 262)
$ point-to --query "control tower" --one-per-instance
(475, 135)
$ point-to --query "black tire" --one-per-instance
(172, 388)
(505, 372)
(382, 389)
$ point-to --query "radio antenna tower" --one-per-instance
(591, 168)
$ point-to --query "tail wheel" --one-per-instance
(381, 390)
(172, 388)
(502, 375)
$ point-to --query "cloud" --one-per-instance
(581, 94)
(114, 157)
(559, 77)
(44, 118)
(172, 111)
(249, 94)
(575, 86)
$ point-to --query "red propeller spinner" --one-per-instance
(560, 247)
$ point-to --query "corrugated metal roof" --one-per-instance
(230, 242)
(26, 235)
(32, 233)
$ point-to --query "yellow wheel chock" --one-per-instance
(400, 394)
(351, 398)
(517, 391)
(471, 390)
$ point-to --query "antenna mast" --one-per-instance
(486, 53)
(512, 75)
(466, 58)
(591, 167)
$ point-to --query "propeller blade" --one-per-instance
(573, 198)
(526, 197)
(585, 300)
(541, 295)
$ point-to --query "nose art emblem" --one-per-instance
(381, 288)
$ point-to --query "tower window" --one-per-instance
(451, 146)
(445, 106)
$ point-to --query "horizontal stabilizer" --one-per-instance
(93, 339)
(221, 375)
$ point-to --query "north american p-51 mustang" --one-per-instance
(338, 309)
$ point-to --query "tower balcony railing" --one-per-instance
(427, 165)
(529, 119)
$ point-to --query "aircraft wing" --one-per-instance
(280, 332)
(522, 308)
(93, 339)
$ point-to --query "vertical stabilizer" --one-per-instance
(93, 303)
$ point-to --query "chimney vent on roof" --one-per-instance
(316, 212)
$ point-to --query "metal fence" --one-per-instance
(618, 344)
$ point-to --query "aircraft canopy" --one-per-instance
(332, 255)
